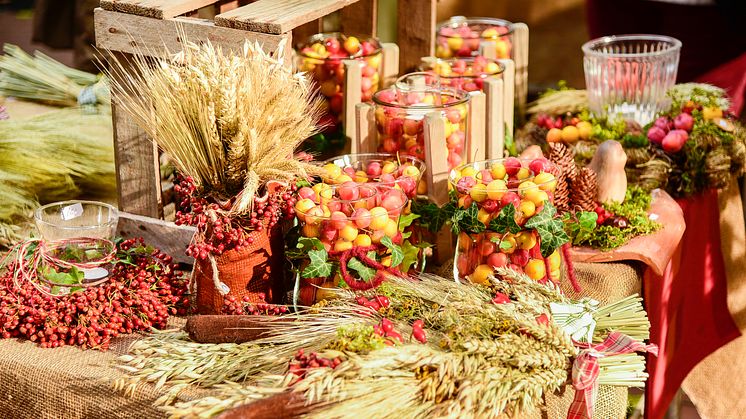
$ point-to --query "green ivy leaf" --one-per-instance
(411, 256)
(406, 220)
(303, 246)
(551, 231)
(397, 256)
(364, 272)
(505, 221)
(432, 216)
(319, 267)
(467, 220)
(73, 277)
(505, 245)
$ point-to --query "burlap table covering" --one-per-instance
(72, 383)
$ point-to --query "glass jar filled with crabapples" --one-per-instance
(403, 172)
(400, 117)
(466, 74)
(322, 56)
(461, 36)
(348, 235)
(508, 219)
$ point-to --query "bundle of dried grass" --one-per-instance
(481, 359)
(52, 157)
(230, 121)
(41, 78)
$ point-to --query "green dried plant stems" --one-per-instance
(41, 78)
(52, 157)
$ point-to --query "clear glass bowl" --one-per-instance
(76, 219)
(461, 36)
(627, 76)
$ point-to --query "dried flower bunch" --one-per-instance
(231, 121)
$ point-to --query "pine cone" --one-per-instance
(584, 190)
(563, 159)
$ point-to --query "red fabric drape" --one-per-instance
(688, 305)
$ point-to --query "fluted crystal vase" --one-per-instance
(627, 75)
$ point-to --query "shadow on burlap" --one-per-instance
(606, 283)
(71, 383)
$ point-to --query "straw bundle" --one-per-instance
(41, 78)
(230, 121)
(51, 157)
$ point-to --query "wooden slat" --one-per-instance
(389, 65)
(136, 159)
(365, 137)
(158, 9)
(360, 18)
(495, 138)
(509, 94)
(164, 235)
(134, 34)
(352, 96)
(228, 328)
(476, 148)
(520, 56)
(278, 16)
(305, 31)
(415, 32)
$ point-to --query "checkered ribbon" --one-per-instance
(585, 369)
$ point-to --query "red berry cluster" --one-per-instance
(243, 306)
(607, 218)
(546, 121)
(386, 330)
(137, 296)
(375, 303)
(221, 233)
(302, 363)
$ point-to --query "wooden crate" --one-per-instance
(131, 26)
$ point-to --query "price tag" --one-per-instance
(72, 211)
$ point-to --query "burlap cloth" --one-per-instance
(716, 385)
(72, 383)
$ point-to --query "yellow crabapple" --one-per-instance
(314, 215)
(535, 269)
(555, 260)
(362, 240)
(469, 171)
(490, 33)
(585, 130)
(479, 192)
(496, 189)
(455, 42)
(523, 173)
(361, 176)
(348, 232)
(342, 245)
(570, 134)
(377, 236)
(391, 228)
(481, 274)
(352, 45)
(483, 216)
(527, 208)
(379, 217)
(389, 167)
(508, 244)
(342, 179)
(526, 240)
(546, 181)
(386, 261)
(498, 171)
(411, 171)
(302, 207)
(526, 186)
